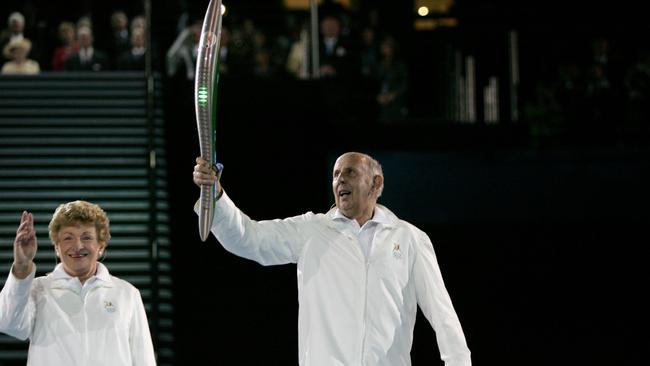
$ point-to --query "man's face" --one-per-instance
(352, 185)
(330, 27)
(120, 21)
(137, 38)
(85, 39)
(16, 26)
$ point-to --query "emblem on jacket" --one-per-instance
(108, 305)
(397, 253)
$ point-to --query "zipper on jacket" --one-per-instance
(365, 311)
(85, 337)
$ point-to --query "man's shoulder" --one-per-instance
(310, 216)
(400, 223)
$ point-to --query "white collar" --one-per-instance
(102, 274)
(379, 216)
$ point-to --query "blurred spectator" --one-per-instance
(600, 54)
(297, 64)
(85, 21)
(262, 56)
(637, 89)
(87, 58)
(68, 46)
(120, 41)
(262, 64)
(259, 41)
(183, 52)
(134, 58)
(605, 94)
(334, 50)
(17, 51)
(225, 55)
(543, 109)
(281, 44)
(15, 29)
(138, 22)
(241, 48)
(567, 94)
(369, 53)
(599, 94)
(392, 78)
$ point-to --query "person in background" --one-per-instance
(16, 51)
(133, 59)
(297, 62)
(68, 46)
(15, 29)
(183, 52)
(369, 53)
(120, 41)
(139, 21)
(362, 272)
(85, 21)
(392, 78)
(334, 50)
(79, 314)
(87, 58)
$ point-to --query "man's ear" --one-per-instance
(377, 181)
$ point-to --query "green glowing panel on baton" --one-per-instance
(202, 97)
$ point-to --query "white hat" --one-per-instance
(22, 43)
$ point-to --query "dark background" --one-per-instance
(541, 240)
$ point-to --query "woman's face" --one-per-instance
(67, 36)
(78, 248)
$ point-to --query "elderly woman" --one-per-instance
(16, 51)
(67, 47)
(79, 314)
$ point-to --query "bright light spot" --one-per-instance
(423, 11)
(223, 9)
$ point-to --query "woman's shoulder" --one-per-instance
(119, 282)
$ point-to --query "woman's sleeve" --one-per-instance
(16, 306)
(142, 352)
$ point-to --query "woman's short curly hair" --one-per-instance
(80, 212)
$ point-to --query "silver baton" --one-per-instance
(205, 105)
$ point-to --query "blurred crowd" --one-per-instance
(349, 49)
(76, 50)
(605, 85)
(353, 50)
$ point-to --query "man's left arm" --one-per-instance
(435, 303)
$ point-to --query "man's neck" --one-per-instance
(365, 217)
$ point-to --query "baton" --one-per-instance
(205, 105)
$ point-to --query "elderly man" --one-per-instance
(87, 58)
(14, 31)
(362, 271)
